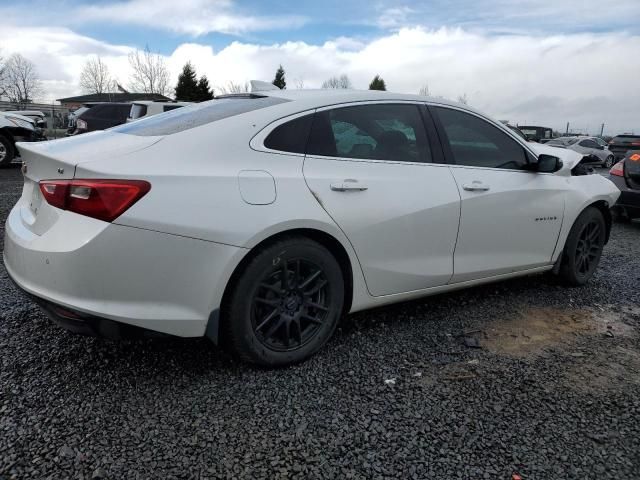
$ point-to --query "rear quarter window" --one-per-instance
(196, 115)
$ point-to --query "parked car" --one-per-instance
(288, 209)
(626, 176)
(536, 133)
(101, 117)
(14, 128)
(73, 117)
(621, 144)
(148, 108)
(588, 146)
(38, 117)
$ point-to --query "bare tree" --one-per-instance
(150, 74)
(21, 81)
(299, 82)
(337, 82)
(463, 99)
(95, 77)
(233, 87)
(424, 91)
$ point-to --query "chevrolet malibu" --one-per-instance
(258, 220)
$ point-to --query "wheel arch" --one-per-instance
(330, 242)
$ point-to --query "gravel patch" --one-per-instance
(552, 392)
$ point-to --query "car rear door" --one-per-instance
(370, 167)
(510, 217)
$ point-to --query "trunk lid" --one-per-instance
(57, 160)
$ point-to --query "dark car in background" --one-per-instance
(621, 144)
(626, 176)
(101, 116)
(536, 133)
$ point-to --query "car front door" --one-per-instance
(510, 217)
(370, 167)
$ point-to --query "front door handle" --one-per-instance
(476, 187)
(348, 185)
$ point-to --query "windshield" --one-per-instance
(196, 115)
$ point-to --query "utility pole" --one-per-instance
(567, 128)
(601, 129)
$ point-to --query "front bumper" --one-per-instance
(140, 278)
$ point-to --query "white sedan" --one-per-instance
(258, 220)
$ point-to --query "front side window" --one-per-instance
(477, 143)
(380, 132)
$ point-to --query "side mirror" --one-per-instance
(548, 164)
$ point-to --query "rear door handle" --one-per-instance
(476, 187)
(348, 185)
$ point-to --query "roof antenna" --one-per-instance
(260, 86)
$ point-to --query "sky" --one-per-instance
(528, 61)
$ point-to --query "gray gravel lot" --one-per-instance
(553, 393)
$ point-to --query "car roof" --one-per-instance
(158, 102)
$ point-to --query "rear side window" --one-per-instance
(166, 108)
(477, 143)
(374, 131)
(137, 110)
(196, 115)
(291, 136)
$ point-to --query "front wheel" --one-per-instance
(583, 248)
(285, 303)
(608, 163)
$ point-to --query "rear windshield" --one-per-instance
(625, 138)
(196, 115)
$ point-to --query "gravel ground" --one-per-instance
(552, 393)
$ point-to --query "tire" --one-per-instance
(583, 248)
(608, 163)
(271, 321)
(7, 152)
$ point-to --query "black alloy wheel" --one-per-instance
(284, 304)
(583, 248)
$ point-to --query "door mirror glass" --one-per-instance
(548, 164)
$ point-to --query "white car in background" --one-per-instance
(288, 209)
(148, 108)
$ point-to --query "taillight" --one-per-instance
(81, 124)
(617, 169)
(635, 144)
(101, 199)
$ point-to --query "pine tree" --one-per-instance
(204, 90)
(279, 81)
(187, 87)
(377, 83)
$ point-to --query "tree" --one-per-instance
(204, 90)
(233, 87)
(463, 99)
(95, 77)
(337, 82)
(424, 91)
(377, 83)
(21, 81)
(187, 87)
(150, 74)
(279, 81)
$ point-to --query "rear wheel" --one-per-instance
(285, 304)
(583, 248)
(608, 163)
(6, 151)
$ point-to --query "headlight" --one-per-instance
(81, 124)
(21, 123)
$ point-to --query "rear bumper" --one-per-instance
(629, 200)
(105, 273)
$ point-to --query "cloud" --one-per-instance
(191, 17)
(585, 79)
